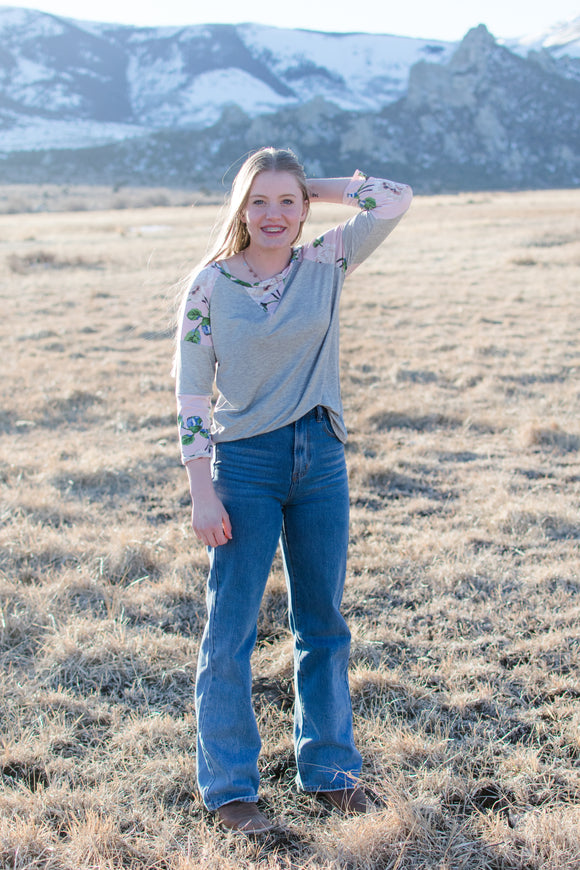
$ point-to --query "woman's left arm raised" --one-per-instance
(380, 205)
(386, 199)
(327, 189)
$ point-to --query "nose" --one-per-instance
(273, 210)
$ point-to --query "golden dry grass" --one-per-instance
(26, 198)
(461, 386)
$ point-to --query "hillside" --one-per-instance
(102, 104)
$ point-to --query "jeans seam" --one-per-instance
(211, 642)
(292, 596)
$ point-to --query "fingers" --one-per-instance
(215, 535)
(211, 537)
(227, 526)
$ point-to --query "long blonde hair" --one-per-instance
(233, 236)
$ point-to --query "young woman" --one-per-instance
(260, 322)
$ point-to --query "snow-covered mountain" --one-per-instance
(558, 49)
(119, 81)
(82, 100)
(561, 40)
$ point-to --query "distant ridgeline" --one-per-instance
(90, 103)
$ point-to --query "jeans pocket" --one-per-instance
(324, 420)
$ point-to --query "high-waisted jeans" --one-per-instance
(289, 485)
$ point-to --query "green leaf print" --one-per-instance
(368, 203)
(318, 242)
(192, 426)
(193, 336)
(233, 278)
(194, 314)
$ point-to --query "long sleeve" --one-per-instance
(195, 369)
(193, 421)
(381, 203)
(385, 199)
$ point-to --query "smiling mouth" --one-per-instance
(273, 230)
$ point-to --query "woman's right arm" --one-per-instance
(194, 372)
(209, 518)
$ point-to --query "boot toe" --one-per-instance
(244, 817)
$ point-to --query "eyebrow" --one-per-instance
(264, 196)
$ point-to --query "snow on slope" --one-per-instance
(34, 24)
(366, 69)
(40, 134)
(561, 40)
(54, 70)
(199, 103)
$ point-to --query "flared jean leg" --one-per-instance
(228, 743)
(292, 480)
(315, 540)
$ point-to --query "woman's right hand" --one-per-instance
(210, 521)
(209, 518)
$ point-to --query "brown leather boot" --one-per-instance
(244, 817)
(350, 801)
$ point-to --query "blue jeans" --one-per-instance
(289, 485)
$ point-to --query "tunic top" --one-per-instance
(272, 348)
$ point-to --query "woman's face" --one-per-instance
(275, 210)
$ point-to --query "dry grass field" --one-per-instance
(34, 198)
(461, 381)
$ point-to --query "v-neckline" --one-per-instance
(268, 292)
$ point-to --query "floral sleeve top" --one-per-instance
(271, 348)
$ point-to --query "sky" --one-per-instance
(447, 20)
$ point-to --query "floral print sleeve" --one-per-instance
(381, 205)
(195, 369)
(195, 316)
(193, 425)
(385, 199)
